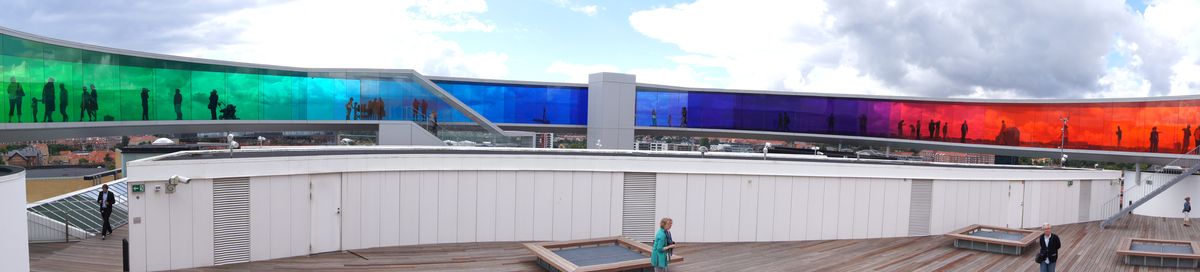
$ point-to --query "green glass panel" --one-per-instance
(25, 70)
(136, 88)
(245, 93)
(321, 90)
(208, 95)
(169, 84)
(279, 97)
(67, 78)
(101, 73)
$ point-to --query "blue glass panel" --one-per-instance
(522, 104)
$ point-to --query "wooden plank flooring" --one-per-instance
(87, 255)
(1086, 247)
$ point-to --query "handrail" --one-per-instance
(1146, 198)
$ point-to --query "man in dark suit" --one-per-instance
(1047, 256)
(106, 201)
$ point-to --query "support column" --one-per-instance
(611, 98)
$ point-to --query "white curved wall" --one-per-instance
(14, 235)
(1170, 202)
(406, 199)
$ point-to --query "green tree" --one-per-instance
(109, 162)
(82, 161)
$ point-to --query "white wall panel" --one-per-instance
(369, 206)
(581, 205)
(831, 207)
(731, 208)
(486, 208)
(428, 208)
(468, 197)
(601, 202)
(158, 229)
(875, 211)
(560, 217)
(351, 210)
(765, 198)
(389, 212)
(526, 183)
(506, 206)
(783, 209)
(281, 214)
(299, 214)
(617, 209)
(748, 215)
(411, 215)
(543, 206)
(260, 221)
(862, 207)
(181, 222)
(447, 211)
(714, 186)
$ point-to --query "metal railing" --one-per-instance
(1146, 189)
(75, 215)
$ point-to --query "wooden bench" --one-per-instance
(610, 254)
(1162, 253)
(994, 239)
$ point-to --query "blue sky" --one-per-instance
(535, 33)
(931, 48)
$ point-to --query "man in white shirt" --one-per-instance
(106, 201)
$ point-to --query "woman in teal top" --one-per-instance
(663, 246)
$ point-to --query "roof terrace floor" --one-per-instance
(1086, 247)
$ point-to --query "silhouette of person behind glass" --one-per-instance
(1154, 139)
(1119, 136)
(1187, 139)
(349, 108)
(900, 129)
(83, 103)
(918, 134)
(1196, 135)
(945, 130)
(683, 119)
(963, 128)
(48, 93)
(653, 117)
(15, 94)
(912, 130)
(145, 104)
(829, 122)
(34, 108)
(862, 124)
(178, 105)
(213, 102)
(62, 101)
(93, 103)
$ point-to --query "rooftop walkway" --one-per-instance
(88, 255)
(1086, 247)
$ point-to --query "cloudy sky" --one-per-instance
(932, 48)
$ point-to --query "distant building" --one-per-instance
(650, 146)
(543, 140)
(25, 157)
(955, 157)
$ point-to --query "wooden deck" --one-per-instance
(1086, 247)
(87, 255)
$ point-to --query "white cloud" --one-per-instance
(578, 73)
(937, 48)
(589, 10)
(365, 34)
(1177, 21)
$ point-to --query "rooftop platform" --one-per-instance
(1086, 247)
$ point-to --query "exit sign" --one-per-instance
(138, 188)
